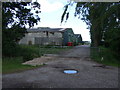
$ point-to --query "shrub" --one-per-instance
(105, 56)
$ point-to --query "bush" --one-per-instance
(8, 49)
(105, 56)
(29, 52)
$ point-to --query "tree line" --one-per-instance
(15, 17)
(103, 21)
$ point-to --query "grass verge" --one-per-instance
(105, 56)
(13, 64)
(25, 53)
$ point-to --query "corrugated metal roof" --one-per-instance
(47, 29)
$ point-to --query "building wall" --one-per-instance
(68, 36)
(45, 37)
(55, 34)
(48, 40)
(27, 39)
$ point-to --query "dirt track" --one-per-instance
(51, 75)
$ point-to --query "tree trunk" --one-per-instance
(95, 38)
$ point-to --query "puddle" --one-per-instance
(70, 71)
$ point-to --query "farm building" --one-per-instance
(48, 36)
(79, 38)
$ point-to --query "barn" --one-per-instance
(79, 38)
(48, 36)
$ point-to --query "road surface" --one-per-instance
(51, 75)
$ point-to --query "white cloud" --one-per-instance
(46, 6)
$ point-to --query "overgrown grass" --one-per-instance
(13, 64)
(33, 51)
(25, 53)
(105, 56)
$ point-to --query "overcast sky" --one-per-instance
(51, 12)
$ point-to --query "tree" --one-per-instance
(100, 18)
(15, 17)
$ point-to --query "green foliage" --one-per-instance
(28, 52)
(24, 53)
(13, 64)
(15, 15)
(19, 11)
(113, 38)
(10, 37)
(105, 56)
(102, 19)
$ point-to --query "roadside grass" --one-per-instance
(34, 51)
(25, 53)
(13, 64)
(105, 56)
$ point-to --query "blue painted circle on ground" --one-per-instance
(70, 71)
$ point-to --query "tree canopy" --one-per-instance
(15, 17)
(102, 19)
